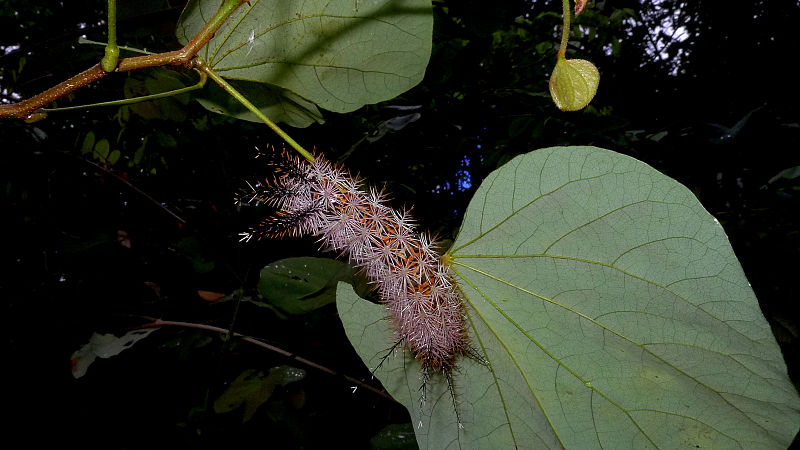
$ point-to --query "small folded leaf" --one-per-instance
(786, 174)
(104, 346)
(579, 5)
(88, 143)
(210, 296)
(573, 83)
(101, 149)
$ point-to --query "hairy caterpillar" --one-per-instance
(325, 200)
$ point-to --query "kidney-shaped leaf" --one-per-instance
(612, 313)
(340, 55)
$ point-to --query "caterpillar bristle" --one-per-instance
(448, 376)
(325, 200)
(386, 356)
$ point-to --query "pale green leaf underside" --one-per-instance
(340, 55)
(280, 105)
(613, 314)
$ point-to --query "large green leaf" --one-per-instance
(340, 55)
(611, 310)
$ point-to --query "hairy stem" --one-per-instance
(157, 323)
(201, 65)
(562, 51)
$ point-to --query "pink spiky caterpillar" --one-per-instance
(325, 200)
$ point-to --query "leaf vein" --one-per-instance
(541, 347)
(578, 313)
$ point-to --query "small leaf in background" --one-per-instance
(252, 389)
(191, 249)
(210, 296)
(657, 137)
(157, 81)
(786, 174)
(579, 5)
(113, 157)
(573, 83)
(301, 285)
(139, 154)
(123, 239)
(393, 124)
(104, 346)
(101, 149)
(166, 140)
(88, 143)
(339, 55)
(612, 313)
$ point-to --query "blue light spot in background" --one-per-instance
(464, 178)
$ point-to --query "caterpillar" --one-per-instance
(325, 200)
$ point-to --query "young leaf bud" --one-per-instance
(573, 83)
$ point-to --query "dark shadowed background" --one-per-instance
(94, 240)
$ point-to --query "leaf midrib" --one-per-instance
(232, 28)
(599, 263)
(517, 211)
(326, 66)
(511, 356)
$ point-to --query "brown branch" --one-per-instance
(157, 323)
(23, 109)
(26, 109)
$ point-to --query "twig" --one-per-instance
(138, 191)
(129, 101)
(155, 323)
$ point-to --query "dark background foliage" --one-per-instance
(700, 90)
